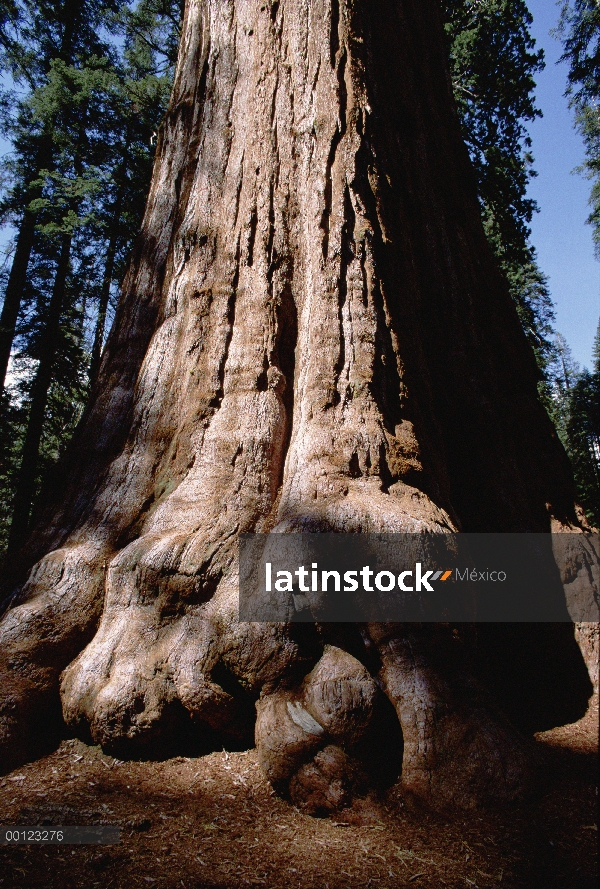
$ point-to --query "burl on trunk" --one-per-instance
(312, 334)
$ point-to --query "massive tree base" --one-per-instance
(312, 334)
(332, 723)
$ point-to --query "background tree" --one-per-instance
(302, 343)
(96, 118)
(575, 409)
(583, 437)
(580, 30)
(45, 32)
(493, 64)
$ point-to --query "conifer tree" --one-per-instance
(150, 32)
(493, 63)
(48, 32)
(583, 435)
(583, 431)
(102, 110)
(574, 406)
(303, 342)
(580, 30)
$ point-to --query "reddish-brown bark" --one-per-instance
(312, 330)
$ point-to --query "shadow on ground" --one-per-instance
(215, 822)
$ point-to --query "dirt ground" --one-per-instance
(215, 822)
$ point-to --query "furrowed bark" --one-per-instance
(312, 335)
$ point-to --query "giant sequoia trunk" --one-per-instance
(312, 333)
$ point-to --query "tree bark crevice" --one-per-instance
(301, 344)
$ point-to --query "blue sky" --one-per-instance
(559, 233)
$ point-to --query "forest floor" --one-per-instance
(215, 823)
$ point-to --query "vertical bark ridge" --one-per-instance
(187, 529)
(302, 343)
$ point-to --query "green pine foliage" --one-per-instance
(580, 31)
(493, 66)
(493, 63)
(574, 406)
(86, 86)
(583, 441)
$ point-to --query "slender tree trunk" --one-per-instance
(15, 287)
(14, 291)
(17, 280)
(103, 308)
(27, 477)
(312, 332)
